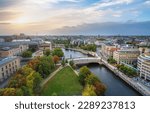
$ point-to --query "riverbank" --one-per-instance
(93, 54)
(128, 80)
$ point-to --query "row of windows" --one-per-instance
(9, 65)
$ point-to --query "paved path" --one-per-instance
(51, 76)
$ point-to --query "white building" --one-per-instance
(144, 66)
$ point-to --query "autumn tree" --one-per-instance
(56, 59)
(88, 91)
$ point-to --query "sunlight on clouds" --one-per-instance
(21, 20)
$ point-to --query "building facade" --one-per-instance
(45, 45)
(108, 49)
(144, 66)
(127, 56)
(8, 66)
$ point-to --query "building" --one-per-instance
(127, 55)
(12, 51)
(2, 40)
(38, 53)
(45, 45)
(8, 66)
(108, 49)
(144, 66)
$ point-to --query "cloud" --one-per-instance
(8, 3)
(108, 3)
(8, 15)
(107, 28)
(147, 2)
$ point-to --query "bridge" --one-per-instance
(86, 60)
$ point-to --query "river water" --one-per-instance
(115, 86)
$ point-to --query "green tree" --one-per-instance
(83, 73)
(63, 62)
(36, 83)
(47, 52)
(19, 92)
(91, 79)
(27, 54)
(58, 52)
(111, 60)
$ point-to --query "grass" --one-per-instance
(64, 83)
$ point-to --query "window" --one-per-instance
(6, 66)
(7, 72)
(3, 75)
(2, 69)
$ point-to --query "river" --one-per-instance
(115, 86)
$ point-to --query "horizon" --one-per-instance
(75, 17)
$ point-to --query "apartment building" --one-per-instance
(8, 66)
(108, 49)
(45, 45)
(126, 55)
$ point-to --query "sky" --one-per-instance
(59, 17)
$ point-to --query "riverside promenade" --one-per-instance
(138, 87)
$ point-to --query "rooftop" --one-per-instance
(6, 60)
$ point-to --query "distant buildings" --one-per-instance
(12, 50)
(144, 66)
(2, 40)
(127, 55)
(8, 66)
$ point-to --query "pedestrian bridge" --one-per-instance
(79, 61)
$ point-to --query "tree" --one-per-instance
(58, 52)
(88, 91)
(19, 92)
(36, 83)
(83, 73)
(99, 88)
(47, 52)
(63, 63)
(27, 54)
(45, 66)
(26, 91)
(17, 81)
(90, 47)
(8, 92)
(85, 70)
(34, 63)
(112, 61)
(91, 79)
(56, 59)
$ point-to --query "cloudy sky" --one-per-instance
(105, 17)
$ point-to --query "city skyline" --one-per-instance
(105, 17)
